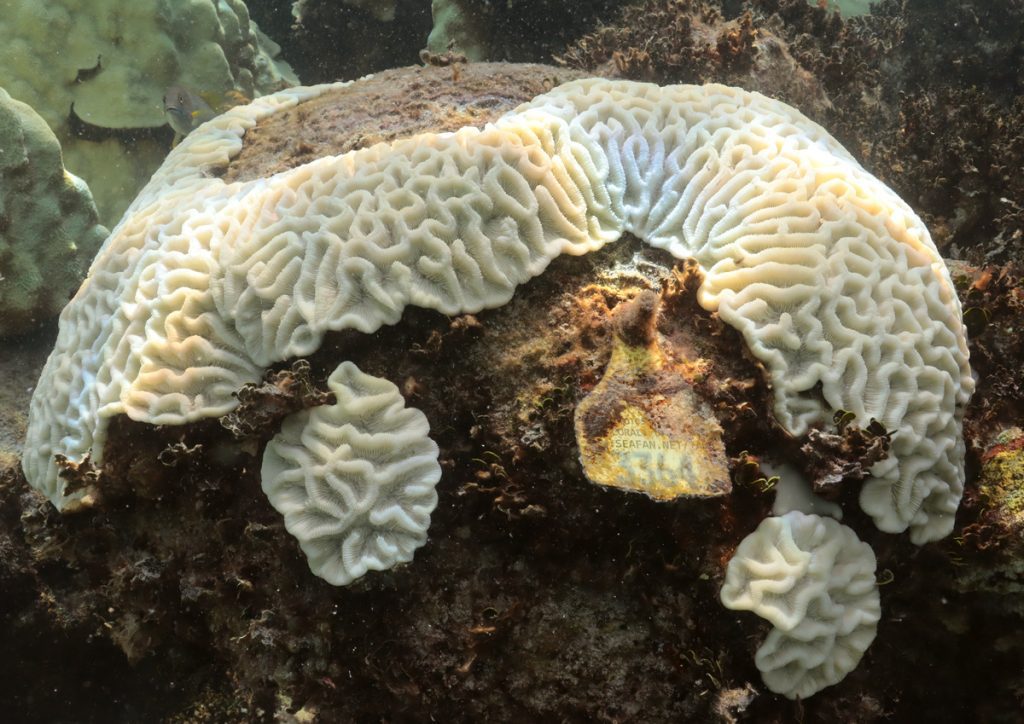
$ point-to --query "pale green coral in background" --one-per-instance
(49, 229)
(458, 26)
(849, 8)
(109, 62)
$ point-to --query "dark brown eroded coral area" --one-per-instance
(392, 104)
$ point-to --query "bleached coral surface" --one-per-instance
(354, 480)
(832, 280)
(814, 580)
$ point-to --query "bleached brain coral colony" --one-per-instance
(832, 280)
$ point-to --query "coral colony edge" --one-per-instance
(830, 278)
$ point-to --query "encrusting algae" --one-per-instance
(1001, 487)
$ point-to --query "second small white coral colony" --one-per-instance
(354, 480)
(832, 280)
(814, 580)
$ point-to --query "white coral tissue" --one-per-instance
(814, 580)
(354, 480)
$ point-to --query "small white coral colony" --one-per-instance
(814, 580)
(832, 280)
(354, 480)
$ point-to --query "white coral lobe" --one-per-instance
(354, 480)
(814, 580)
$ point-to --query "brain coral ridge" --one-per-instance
(832, 280)
(354, 480)
(814, 580)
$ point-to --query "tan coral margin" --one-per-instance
(832, 280)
